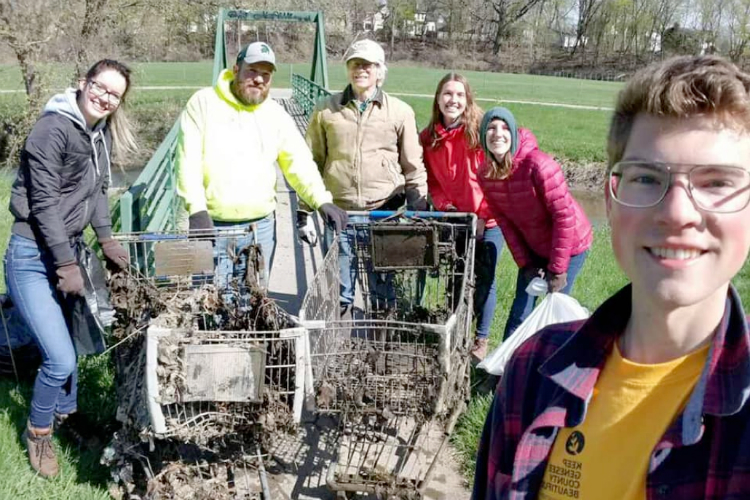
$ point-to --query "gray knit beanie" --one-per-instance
(504, 114)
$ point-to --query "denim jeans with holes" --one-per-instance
(31, 280)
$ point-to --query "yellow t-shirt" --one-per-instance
(607, 456)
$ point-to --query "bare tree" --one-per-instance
(711, 14)
(26, 26)
(507, 12)
(738, 28)
(92, 21)
(587, 12)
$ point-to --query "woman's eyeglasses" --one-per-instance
(99, 91)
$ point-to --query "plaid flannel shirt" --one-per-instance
(704, 454)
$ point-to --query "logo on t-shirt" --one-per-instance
(575, 443)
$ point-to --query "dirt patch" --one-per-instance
(585, 176)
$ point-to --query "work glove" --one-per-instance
(70, 279)
(556, 282)
(531, 272)
(306, 228)
(334, 217)
(418, 204)
(115, 253)
(200, 222)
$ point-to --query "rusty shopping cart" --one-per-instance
(396, 374)
(206, 358)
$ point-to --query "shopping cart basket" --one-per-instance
(397, 374)
(207, 367)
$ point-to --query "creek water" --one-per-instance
(592, 204)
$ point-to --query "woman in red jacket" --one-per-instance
(546, 230)
(452, 156)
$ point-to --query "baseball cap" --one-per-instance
(368, 50)
(257, 52)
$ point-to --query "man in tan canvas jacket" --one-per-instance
(366, 146)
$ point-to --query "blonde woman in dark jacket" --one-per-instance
(61, 188)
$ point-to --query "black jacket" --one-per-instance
(63, 179)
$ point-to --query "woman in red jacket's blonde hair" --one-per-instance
(452, 156)
(545, 229)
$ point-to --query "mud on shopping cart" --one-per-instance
(397, 374)
(209, 370)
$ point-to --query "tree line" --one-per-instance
(540, 36)
(505, 34)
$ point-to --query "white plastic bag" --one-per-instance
(555, 308)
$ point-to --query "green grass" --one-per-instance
(81, 476)
(573, 135)
(401, 78)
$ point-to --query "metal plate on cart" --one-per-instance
(399, 247)
(223, 372)
(183, 257)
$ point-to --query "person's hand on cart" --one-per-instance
(480, 229)
(116, 255)
(334, 217)
(200, 225)
(416, 202)
(306, 228)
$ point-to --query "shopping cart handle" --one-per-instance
(162, 236)
(382, 214)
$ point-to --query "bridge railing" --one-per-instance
(151, 202)
(307, 93)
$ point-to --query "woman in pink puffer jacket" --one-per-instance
(545, 229)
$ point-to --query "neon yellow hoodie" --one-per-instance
(226, 152)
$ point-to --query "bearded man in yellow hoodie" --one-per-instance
(231, 137)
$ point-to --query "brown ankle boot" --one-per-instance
(41, 452)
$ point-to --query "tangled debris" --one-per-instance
(205, 440)
(420, 314)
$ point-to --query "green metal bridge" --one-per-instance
(151, 204)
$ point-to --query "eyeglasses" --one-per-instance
(357, 64)
(99, 91)
(714, 188)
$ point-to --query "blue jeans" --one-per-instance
(487, 254)
(31, 279)
(380, 284)
(524, 303)
(264, 234)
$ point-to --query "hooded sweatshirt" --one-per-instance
(63, 179)
(452, 172)
(227, 151)
(538, 216)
